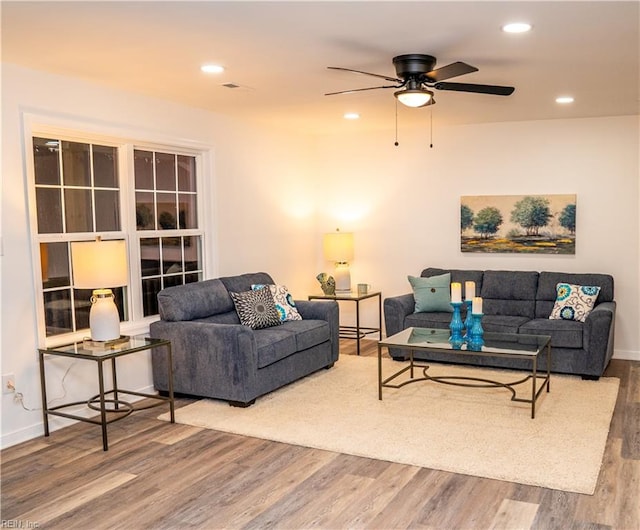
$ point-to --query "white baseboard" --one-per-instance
(55, 423)
(627, 355)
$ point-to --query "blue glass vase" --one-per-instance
(456, 326)
(468, 321)
(475, 339)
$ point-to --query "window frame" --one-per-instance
(138, 235)
(126, 141)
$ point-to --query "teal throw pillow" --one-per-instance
(432, 294)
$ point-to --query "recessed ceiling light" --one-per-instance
(212, 69)
(516, 27)
(564, 100)
(351, 116)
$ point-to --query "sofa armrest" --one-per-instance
(220, 357)
(328, 310)
(599, 336)
(396, 308)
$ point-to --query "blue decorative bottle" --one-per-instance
(456, 326)
(468, 321)
(475, 338)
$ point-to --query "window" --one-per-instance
(77, 192)
(167, 222)
(84, 189)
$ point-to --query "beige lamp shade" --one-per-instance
(99, 264)
(338, 246)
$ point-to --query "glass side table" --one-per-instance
(111, 408)
(356, 332)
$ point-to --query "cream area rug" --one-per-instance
(473, 431)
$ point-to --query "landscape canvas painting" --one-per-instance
(530, 224)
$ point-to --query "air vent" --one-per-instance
(236, 87)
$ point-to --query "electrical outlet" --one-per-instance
(8, 384)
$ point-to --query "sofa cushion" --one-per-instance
(563, 333)
(427, 320)
(274, 344)
(432, 294)
(574, 302)
(277, 343)
(308, 333)
(285, 305)
(193, 301)
(502, 323)
(457, 275)
(256, 309)
(546, 295)
(510, 293)
(230, 317)
(243, 282)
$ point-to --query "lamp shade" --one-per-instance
(99, 264)
(338, 246)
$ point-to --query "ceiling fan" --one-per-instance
(416, 75)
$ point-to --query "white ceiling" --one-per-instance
(278, 53)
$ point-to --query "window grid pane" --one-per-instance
(165, 187)
(68, 201)
(77, 191)
(166, 201)
(165, 262)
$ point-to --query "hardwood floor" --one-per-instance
(162, 476)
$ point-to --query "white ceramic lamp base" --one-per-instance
(104, 319)
(342, 276)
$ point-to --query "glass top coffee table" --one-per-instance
(506, 345)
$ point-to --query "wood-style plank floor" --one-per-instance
(162, 476)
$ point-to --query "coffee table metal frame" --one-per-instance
(537, 344)
(115, 407)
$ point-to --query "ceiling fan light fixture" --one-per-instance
(414, 97)
(517, 27)
(212, 68)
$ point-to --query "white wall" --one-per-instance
(273, 195)
(403, 202)
(259, 193)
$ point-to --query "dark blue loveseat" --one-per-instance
(215, 356)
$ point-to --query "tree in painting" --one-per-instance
(487, 222)
(567, 218)
(531, 213)
(466, 217)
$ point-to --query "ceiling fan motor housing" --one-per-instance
(413, 65)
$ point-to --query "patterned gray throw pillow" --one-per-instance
(285, 305)
(256, 309)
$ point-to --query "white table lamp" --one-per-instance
(99, 265)
(338, 247)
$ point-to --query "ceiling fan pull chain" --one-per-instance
(396, 142)
(431, 125)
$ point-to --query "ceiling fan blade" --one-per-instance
(449, 71)
(479, 89)
(386, 78)
(360, 90)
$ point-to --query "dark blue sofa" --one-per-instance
(521, 302)
(215, 356)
